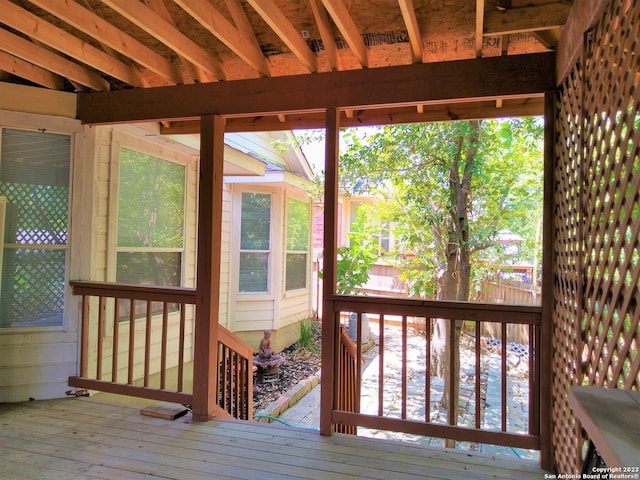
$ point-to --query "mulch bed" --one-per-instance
(298, 365)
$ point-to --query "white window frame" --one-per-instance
(276, 198)
(31, 123)
(307, 251)
(122, 140)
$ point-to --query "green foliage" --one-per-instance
(150, 201)
(307, 334)
(447, 186)
(355, 261)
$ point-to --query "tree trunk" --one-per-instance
(455, 284)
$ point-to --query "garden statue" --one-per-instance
(266, 361)
(265, 351)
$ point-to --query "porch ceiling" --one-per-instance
(109, 45)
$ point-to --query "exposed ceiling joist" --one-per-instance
(156, 26)
(410, 20)
(104, 32)
(343, 20)
(479, 27)
(279, 23)
(548, 38)
(322, 21)
(56, 38)
(28, 71)
(526, 19)
(187, 70)
(241, 21)
(219, 26)
(44, 58)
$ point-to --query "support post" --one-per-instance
(329, 327)
(545, 373)
(205, 367)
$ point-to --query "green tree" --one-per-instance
(448, 189)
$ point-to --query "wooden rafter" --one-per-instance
(242, 22)
(526, 19)
(218, 25)
(156, 26)
(64, 42)
(411, 22)
(479, 27)
(28, 71)
(322, 21)
(343, 20)
(40, 56)
(187, 71)
(548, 38)
(107, 34)
(280, 24)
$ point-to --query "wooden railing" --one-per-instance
(348, 379)
(412, 410)
(235, 379)
(137, 341)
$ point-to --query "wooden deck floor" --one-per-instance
(87, 438)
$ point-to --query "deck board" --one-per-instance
(87, 438)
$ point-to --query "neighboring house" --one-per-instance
(119, 204)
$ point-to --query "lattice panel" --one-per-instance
(566, 312)
(33, 271)
(597, 222)
(611, 199)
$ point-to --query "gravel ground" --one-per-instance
(298, 365)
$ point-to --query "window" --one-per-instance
(34, 227)
(297, 244)
(150, 220)
(255, 242)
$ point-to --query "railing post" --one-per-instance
(205, 368)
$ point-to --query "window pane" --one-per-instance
(149, 268)
(254, 268)
(34, 204)
(297, 225)
(150, 201)
(296, 271)
(255, 228)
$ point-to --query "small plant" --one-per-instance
(307, 332)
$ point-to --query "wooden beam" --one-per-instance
(526, 19)
(381, 116)
(31, 72)
(411, 22)
(220, 27)
(583, 15)
(205, 349)
(322, 21)
(107, 34)
(40, 56)
(280, 24)
(343, 20)
(152, 23)
(58, 39)
(518, 76)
